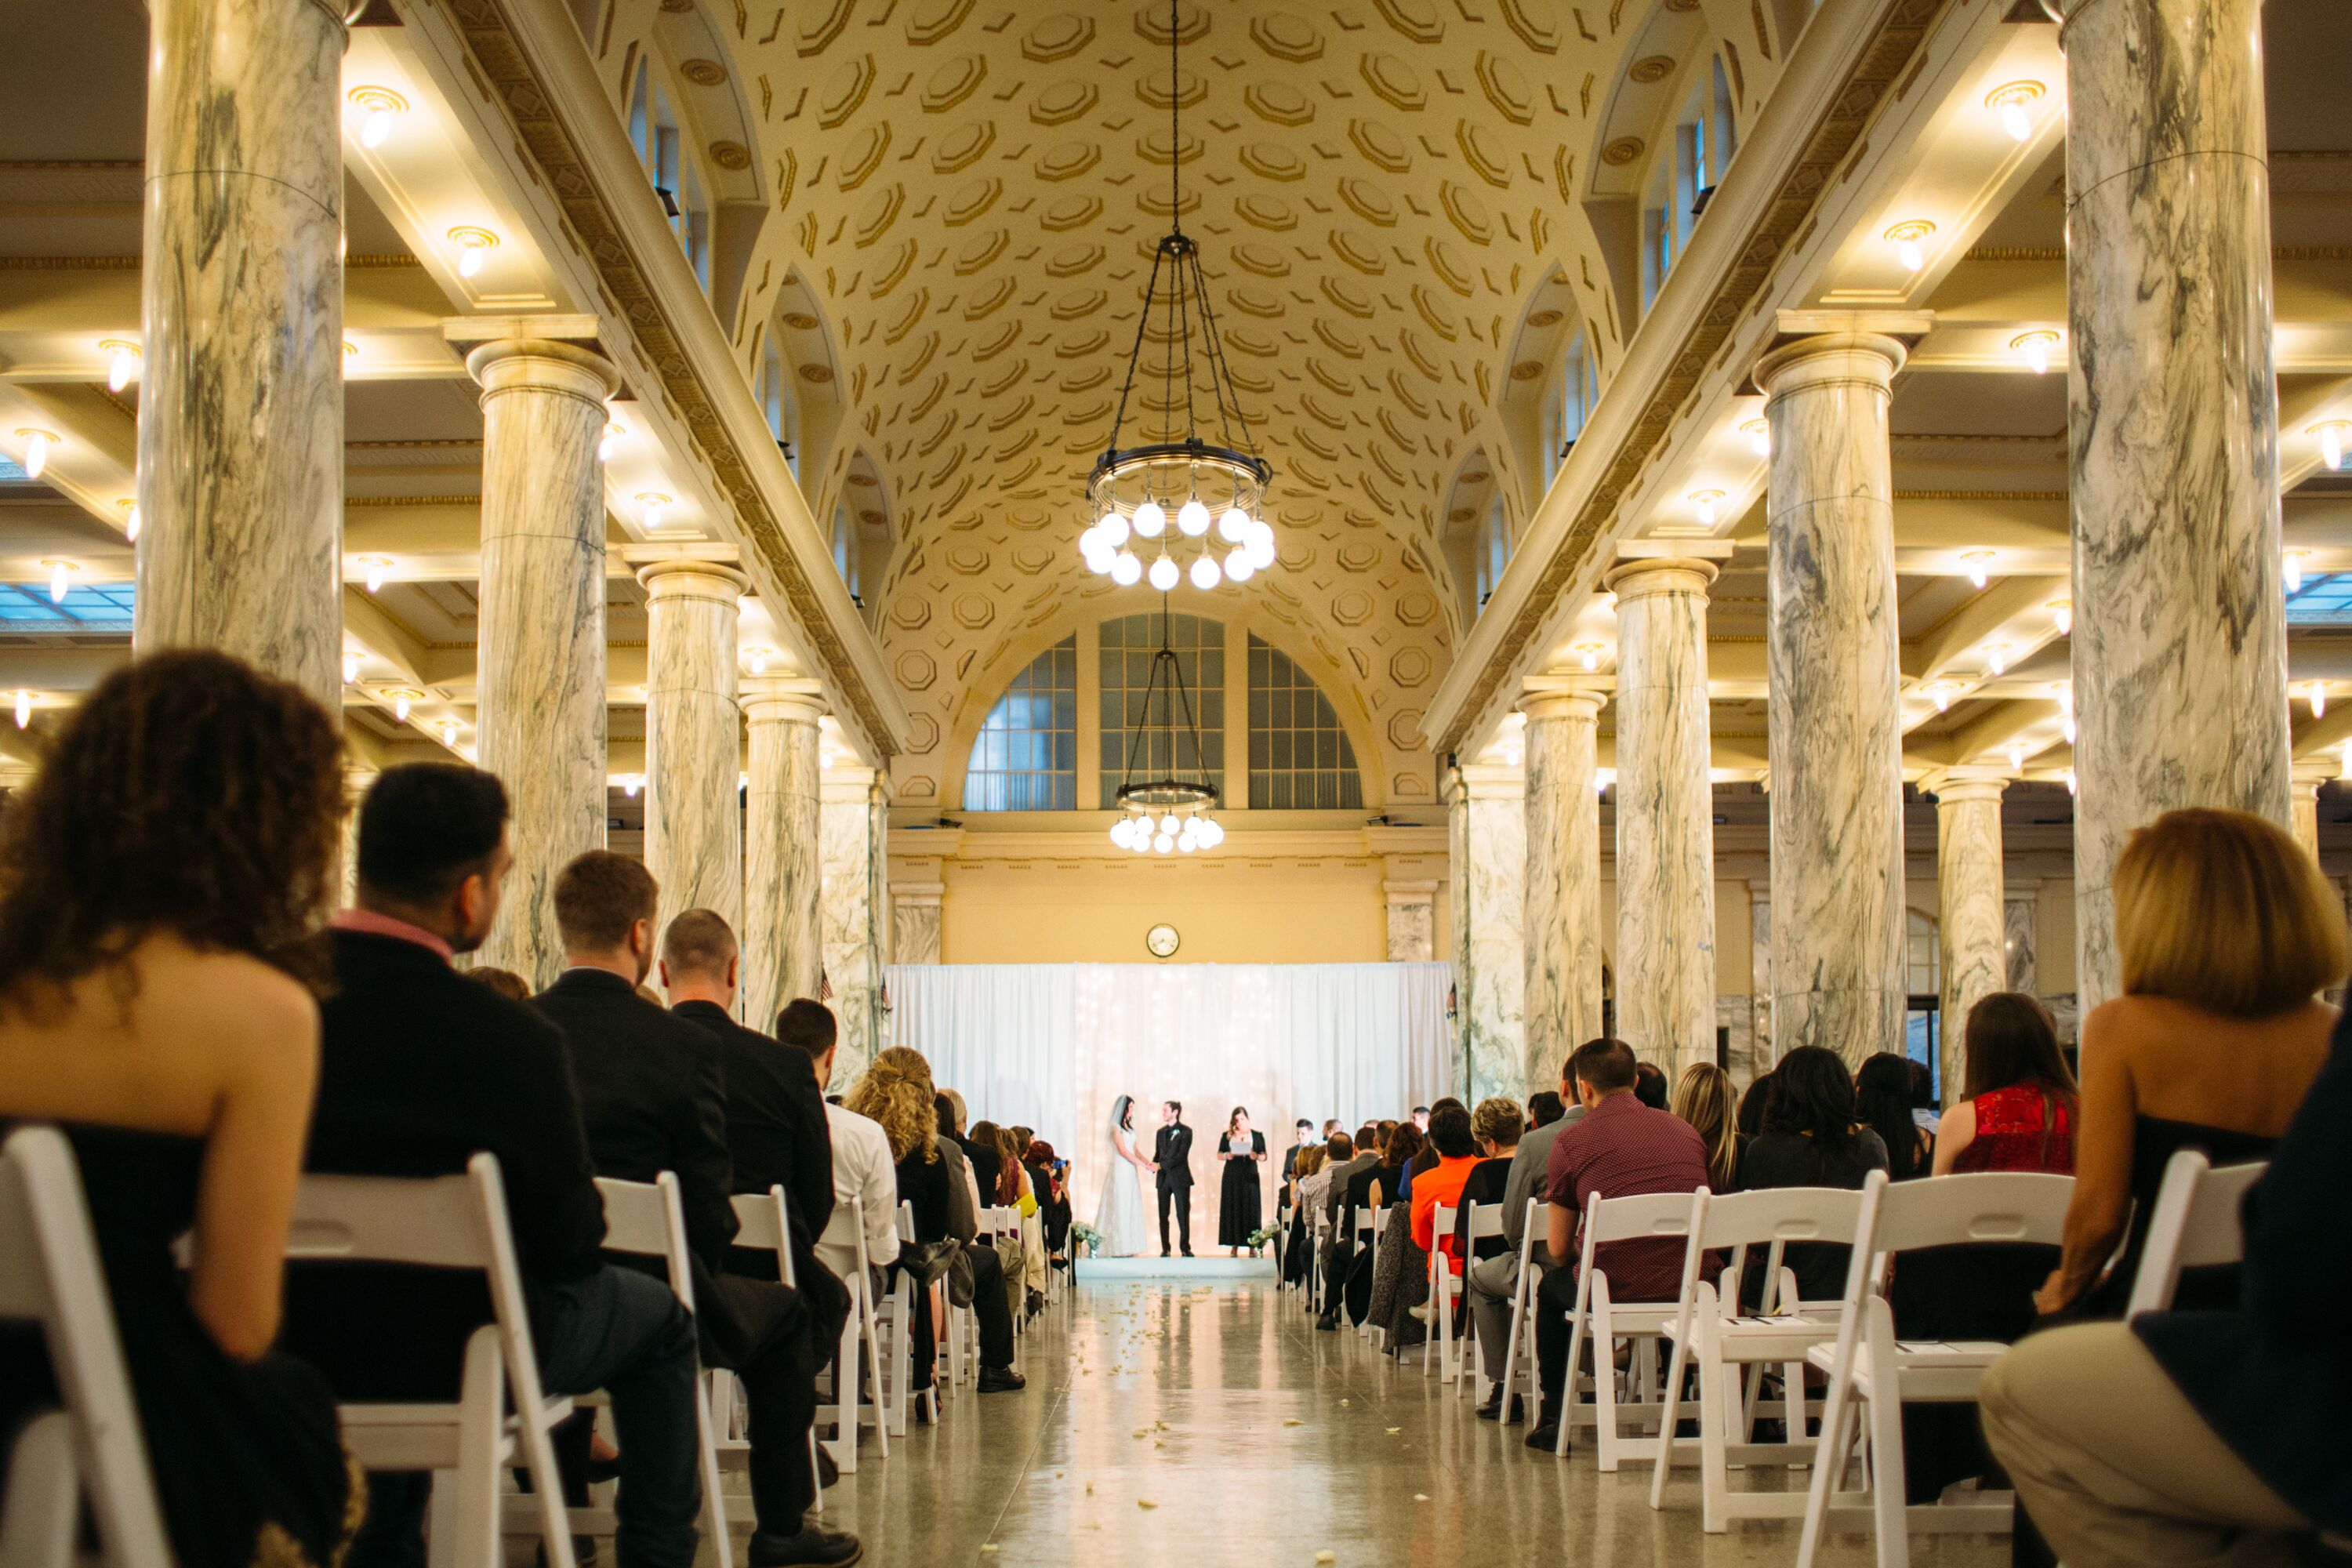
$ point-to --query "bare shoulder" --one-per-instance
(234, 1006)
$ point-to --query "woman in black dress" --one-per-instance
(1238, 1206)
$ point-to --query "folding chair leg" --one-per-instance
(476, 1511)
(1670, 1416)
(1604, 1378)
(43, 1497)
(714, 1500)
(1718, 1403)
(873, 1363)
(1829, 1468)
(1576, 1338)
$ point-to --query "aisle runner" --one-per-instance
(1051, 1045)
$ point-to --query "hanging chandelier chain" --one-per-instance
(1175, 127)
(1220, 375)
(1135, 356)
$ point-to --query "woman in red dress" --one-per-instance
(2020, 1108)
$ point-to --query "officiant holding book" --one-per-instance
(1241, 1151)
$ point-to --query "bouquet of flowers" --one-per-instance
(1085, 1237)
(1261, 1237)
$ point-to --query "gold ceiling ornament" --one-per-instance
(703, 73)
(1622, 151)
(1652, 68)
(1167, 490)
(730, 154)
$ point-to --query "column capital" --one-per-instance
(1562, 696)
(2310, 772)
(542, 364)
(1487, 781)
(1825, 358)
(917, 892)
(1954, 785)
(1649, 575)
(689, 579)
(848, 784)
(773, 698)
(1409, 892)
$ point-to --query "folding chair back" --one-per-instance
(2194, 1224)
(49, 1274)
(1640, 1216)
(760, 1225)
(2017, 1206)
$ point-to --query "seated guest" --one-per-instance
(505, 981)
(1925, 1111)
(2205, 1437)
(1451, 1134)
(1315, 1190)
(987, 1164)
(1702, 1098)
(1811, 1139)
(933, 1179)
(1544, 1107)
(1650, 1086)
(1622, 1148)
(1391, 1184)
(1296, 1258)
(654, 1097)
(1342, 1172)
(420, 1069)
(1492, 1283)
(1425, 1157)
(1346, 1283)
(862, 1162)
(155, 880)
(1495, 1130)
(1306, 1130)
(1882, 1102)
(2019, 1109)
(2225, 933)
(1755, 1102)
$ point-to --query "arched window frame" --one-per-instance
(666, 153)
(1288, 712)
(1025, 756)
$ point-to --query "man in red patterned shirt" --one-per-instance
(1620, 1149)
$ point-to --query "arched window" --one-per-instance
(1025, 757)
(663, 149)
(1165, 751)
(1569, 404)
(773, 388)
(1299, 757)
(1684, 176)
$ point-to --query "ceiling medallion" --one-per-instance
(1183, 496)
(1170, 813)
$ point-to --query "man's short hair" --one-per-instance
(1341, 1146)
(1421, 1111)
(809, 1026)
(1365, 1136)
(1608, 1065)
(598, 897)
(1496, 1120)
(1449, 1129)
(424, 827)
(1176, 1106)
(1304, 1122)
(698, 941)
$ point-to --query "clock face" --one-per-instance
(1161, 939)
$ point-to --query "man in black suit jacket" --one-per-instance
(987, 1163)
(1172, 1157)
(653, 1098)
(777, 1135)
(419, 1069)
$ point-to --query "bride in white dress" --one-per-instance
(1120, 1217)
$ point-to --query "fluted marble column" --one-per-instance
(915, 921)
(1834, 654)
(1665, 813)
(1562, 921)
(1486, 805)
(540, 723)
(240, 395)
(853, 836)
(2306, 781)
(1411, 921)
(2180, 650)
(694, 738)
(1973, 923)
(783, 867)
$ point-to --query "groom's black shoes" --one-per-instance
(1000, 1380)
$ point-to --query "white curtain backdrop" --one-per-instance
(1052, 1046)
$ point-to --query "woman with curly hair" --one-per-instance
(157, 882)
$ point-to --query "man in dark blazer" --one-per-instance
(987, 1163)
(1172, 1157)
(653, 1098)
(776, 1131)
(420, 1067)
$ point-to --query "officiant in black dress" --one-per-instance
(1238, 1202)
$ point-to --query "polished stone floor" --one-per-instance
(1183, 1423)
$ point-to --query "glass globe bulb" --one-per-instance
(1142, 842)
(1163, 574)
(1205, 573)
(1165, 843)
(1261, 549)
(1233, 526)
(1112, 529)
(1168, 824)
(1121, 831)
(1238, 565)
(1125, 570)
(1193, 518)
(1187, 845)
(1149, 519)
(1212, 832)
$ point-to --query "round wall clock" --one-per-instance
(1162, 941)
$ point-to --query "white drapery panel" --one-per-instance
(1053, 1045)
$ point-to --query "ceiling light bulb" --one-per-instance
(1232, 525)
(631, 783)
(1125, 570)
(378, 107)
(2331, 441)
(1601, 779)
(448, 728)
(610, 439)
(1942, 695)
(2017, 756)
(2008, 103)
(1170, 824)
(400, 700)
(1997, 659)
(1205, 573)
(2035, 348)
(2062, 612)
(1905, 237)
(1978, 564)
(1165, 843)
(2346, 770)
(1163, 574)
(759, 661)
(2319, 698)
(1704, 502)
(24, 709)
(377, 567)
(2291, 566)
(1112, 529)
(37, 450)
(130, 505)
(2016, 121)
(1187, 843)
(122, 362)
(2066, 728)
(1587, 654)
(1149, 519)
(1193, 518)
(60, 579)
(473, 245)
(2071, 786)
(1212, 833)
(1239, 567)
(1261, 544)
(1120, 830)
(654, 503)
(350, 667)
(1759, 435)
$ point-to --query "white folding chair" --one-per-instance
(2194, 1224)
(647, 1219)
(1604, 1321)
(895, 1323)
(763, 1224)
(1710, 1329)
(1441, 1295)
(1869, 1365)
(92, 1449)
(1365, 1222)
(451, 1221)
(850, 1412)
(1485, 1223)
(1523, 1296)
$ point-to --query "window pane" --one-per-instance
(1024, 758)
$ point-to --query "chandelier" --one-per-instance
(1193, 505)
(1167, 815)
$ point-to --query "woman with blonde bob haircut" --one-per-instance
(2225, 935)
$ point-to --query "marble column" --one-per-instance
(2306, 781)
(240, 394)
(915, 921)
(1834, 680)
(2179, 648)
(855, 905)
(1665, 813)
(1412, 921)
(1486, 805)
(2021, 918)
(783, 875)
(357, 781)
(694, 738)
(540, 720)
(1762, 1055)
(1562, 918)
(1972, 927)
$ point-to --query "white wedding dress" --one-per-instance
(1119, 1217)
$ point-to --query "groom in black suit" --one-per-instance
(1172, 1157)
